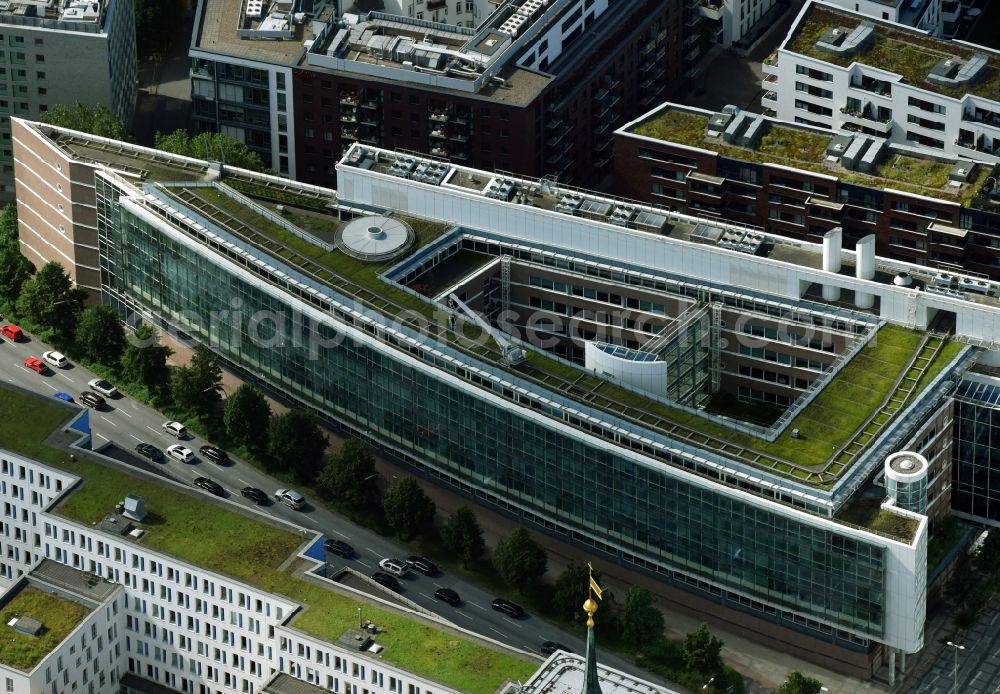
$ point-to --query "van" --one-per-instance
(175, 429)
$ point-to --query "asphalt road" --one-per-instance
(126, 422)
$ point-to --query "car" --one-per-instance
(65, 397)
(385, 580)
(209, 486)
(179, 452)
(397, 567)
(550, 647)
(339, 547)
(216, 455)
(255, 495)
(11, 332)
(449, 596)
(56, 359)
(92, 400)
(290, 498)
(508, 607)
(148, 450)
(424, 566)
(103, 387)
(175, 429)
(36, 365)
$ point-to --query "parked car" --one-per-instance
(449, 596)
(550, 647)
(150, 451)
(209, 485)
(179, 452)
(384, 579)
(92, 400)
(290, 498)
(12, 332)
(65, 397)
(56, 359)
(175, 429)
(36, 365)
(216, 455)
(255, 495)
(339, 547)
(508, 607)
(103, 387)
(424, 566)
(397, 567)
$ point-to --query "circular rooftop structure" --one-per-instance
(905, 466)
(375, 238)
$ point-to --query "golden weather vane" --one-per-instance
(590, 607)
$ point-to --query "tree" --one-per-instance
(349, 477)
(50, 300)
(247, 417)
(96, 120)
(641, 621)
(703, 652)
(15, 269)
(407, 509)
(197, 387)
(519, 559)
(297, 444)
(797, 683)
(8, 223)
(100, 335)
(210, 146)
(464, 535)
(570, 590)
(144, 360)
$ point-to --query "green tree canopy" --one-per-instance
(463, 534)
(15, 269)
(519, 559)
(797, 683)
(210, 146)
(96, 120)
(641, 621)
(297, 444)
(349, 477)
(703, 652)
(197, 387)
(570, 590)
(8, 223)
(144, 360)
(50, 300)
(247, 417)
(408, 510)
(100, 335)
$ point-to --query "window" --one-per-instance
(39, 58)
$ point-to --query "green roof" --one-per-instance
(58, 615)
(805, 149)
(250, 550)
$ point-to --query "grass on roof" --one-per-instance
(249, 550)
(59, 615)
(867, 513)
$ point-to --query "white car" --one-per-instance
(396, 567)
(290, 498)
(103, 387)
(56, 359)
(175, 429)
(179, 452)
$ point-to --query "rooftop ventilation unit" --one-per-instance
(838, 41)
(29, 626)
(959, 173)
(756, 130)
(854, 152)
(718, 123)
(255, 9)
(135, 508)
(735, 128)
(952, 73)
(838, 145)
(873, 156)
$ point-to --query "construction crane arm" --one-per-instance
(511, 353)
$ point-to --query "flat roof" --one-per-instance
(81, 584)
(219, 21)
(58, 615)
(896, 48)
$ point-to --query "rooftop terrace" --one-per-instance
(805, 148)
(59, 616)
(244, 547)
(896, 48)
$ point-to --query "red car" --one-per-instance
(36, 365)
(11, 332)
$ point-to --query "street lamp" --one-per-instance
(957, 648)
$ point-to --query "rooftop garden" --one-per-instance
(866, 512)
(249, 550)
(59, 615)
(907, 53)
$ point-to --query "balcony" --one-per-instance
(349, 99)
(866, 117)
(601, 95)
(439, 151)
(878, 87)
(438, 134)
(979, 145)
(349, 134)
(348, 117)
(980, 115)
(769, 99)
(371, 104)
(693, 53)
(460, 156)
(770, 64)
(438, 117)
(710, 9)
(458, 137)
(692, 21)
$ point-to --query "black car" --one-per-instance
(338, 547)
(216, 455)
(424, 566)
(449, 596)
(508, 607)
(384, 579)
(148, 450)
(550, 647)
(255, 495)
(209, 485)
(92, 400)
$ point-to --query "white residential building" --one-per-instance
(926, 15)
(732, 20)
(846, 71)
(463, 13)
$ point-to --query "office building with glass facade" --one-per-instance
(760, 522)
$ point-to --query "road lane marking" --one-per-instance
(118, 409)
(497, 631)
(374, 552)
(340, 533)
(101, 437)
(467, 616)
(108, 421)
(135, 437)
(427, 596)
(153, 430)
(508, 619)
(59, 373)
(364, 563)
(51, 386)
(479, 606)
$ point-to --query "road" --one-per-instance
(126, 422)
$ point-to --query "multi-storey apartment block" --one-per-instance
(463, 13)
(35, 74)
(738, 22)
(536, 87)
(801, 181)
(845, 70)
(926, 15)
(763, 424)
